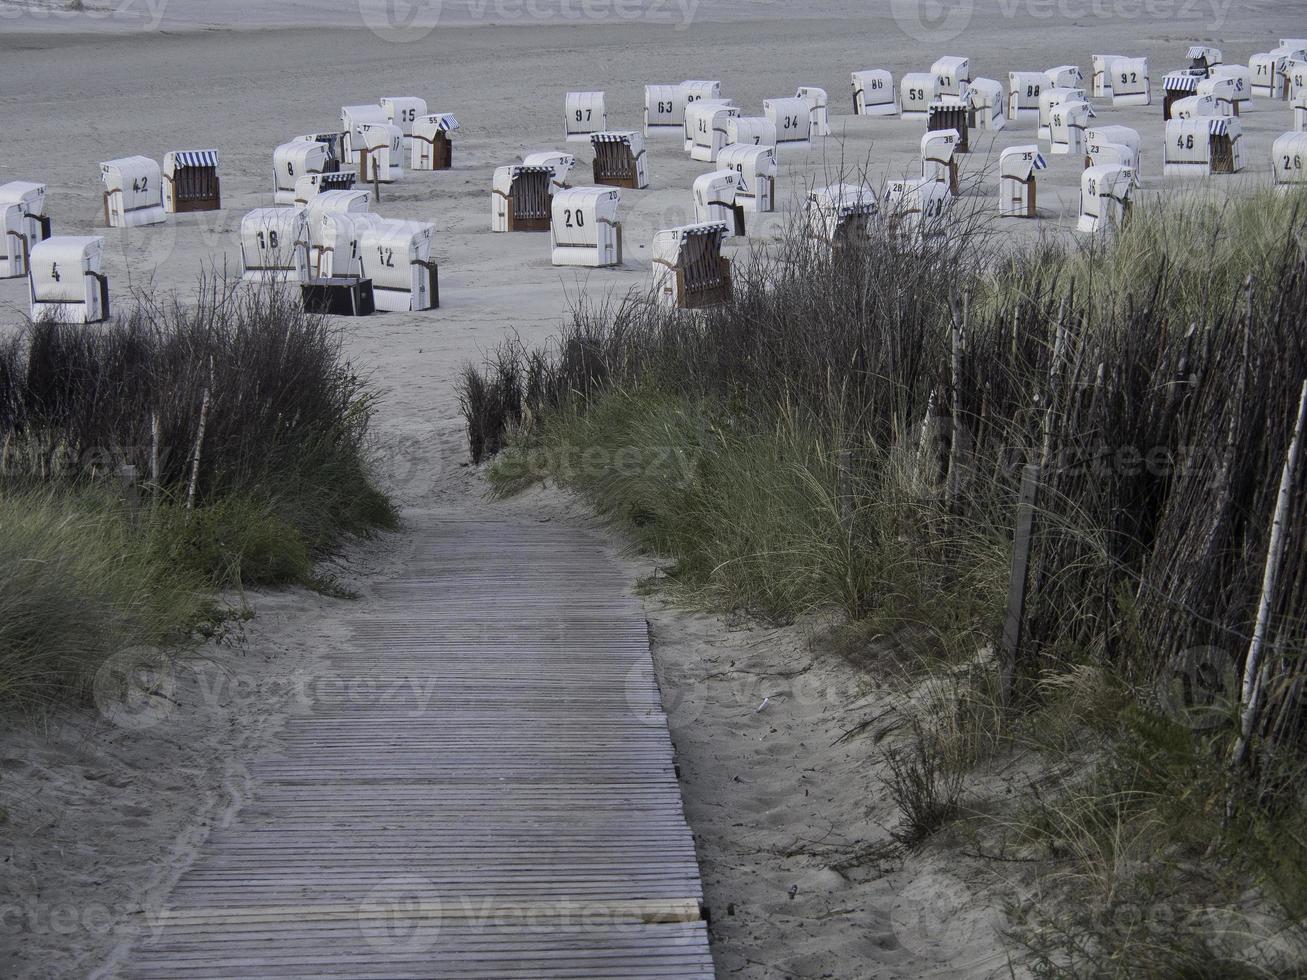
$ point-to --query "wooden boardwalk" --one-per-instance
(484, 787)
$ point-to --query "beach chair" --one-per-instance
(620, 159)
(1017, 167)
(689, 270)
(705, 123)
(396, 257)
(585, 230)
(65, 281)
(715, 203)
(430, 146)
(988, 104)
(351, 118)
(1024, 89)
(133, 192)
(1203, 145)
(939, 160)
(585, 114)
(404, 111)
(874, 93)
(1119, 145)
(916, 93)
(751, 130)
(381, 153)
(793, 121)
(274, 246)
(818, 108)
(757, 169)
(1105, 198)
(1289, 158)
(840, 216)
(1131, 82)
(191, 182)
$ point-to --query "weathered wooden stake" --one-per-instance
(195, 456)
(1016, 595)
(953, 480)
(154, 453)
(1251, 696)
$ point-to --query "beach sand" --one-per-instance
(98, 820)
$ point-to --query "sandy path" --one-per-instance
(83, 845)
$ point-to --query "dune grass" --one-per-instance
(850, 434)
(247, 429)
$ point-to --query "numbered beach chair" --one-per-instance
(1289, 158)
(714, 200)
(396, 257)
(311, 185)
(1050, 99)
(698, 90)
(585, 230)
(133, 192)
(404, 111)
(664, 110)
(1103, 71)
(1064, 76)
(1282, 58)
(1177, 85)
(1196, 106)
(840, 216)
(430, 147)
(1017, 167)
(1203, 145)
(352, 117)
(916, 209)
(1265, 75)
(873, 93)
(818, 108)
(275, 246)
(1295, 73)
(381, 153)
(952, 75)
(520, 198)
(1224, 93)
(585, 115)
(750, 130)
(15, 244)
(689, 270)
(951, 117)
(335, 249)
(1068, 123)
(65, 281)
(1114, 145)
(23, 224)
(191, 182)
(757, 169)
(562, 164)
(1024, 89)
(939, 160)
(1242, 80)
(988, 104)
(705, 122)
(620, 159)
(32, 197)
(1105, 198)
(297, 159)
(916, 93)
(793, 122)
(336, 202)
(1131, 82)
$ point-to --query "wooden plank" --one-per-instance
(492, 777)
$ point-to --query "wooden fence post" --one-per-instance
(1250, 700)
(1023, 539)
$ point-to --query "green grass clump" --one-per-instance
(248, 431)
(79, 583)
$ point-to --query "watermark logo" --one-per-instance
(401, 916)
(1201, 688)
(134, 689)
(933, 21)
(401, 21)
(937, 918)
